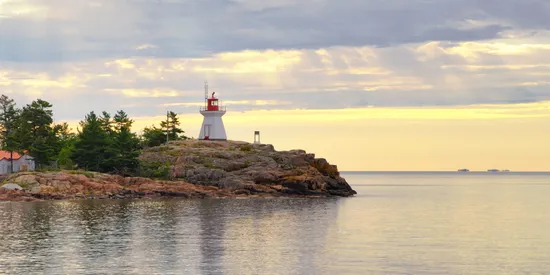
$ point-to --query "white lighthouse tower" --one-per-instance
(212, 125)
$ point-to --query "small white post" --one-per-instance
(256, 134)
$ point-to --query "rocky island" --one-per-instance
(193, 169)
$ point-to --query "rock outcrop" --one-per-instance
(194, 169)
(241, 165)
(90, 185)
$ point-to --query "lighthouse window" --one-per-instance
(214, 103)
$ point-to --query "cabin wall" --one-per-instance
(23, 163)
(4, 167)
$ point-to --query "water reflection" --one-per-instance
(37, 222)
(232, 236)
(277, 236)
(212, 214)
(398, 224)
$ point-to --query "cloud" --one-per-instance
(73, 30)
(19, 9)
(427, 74)
(250, 104)
(148, 56)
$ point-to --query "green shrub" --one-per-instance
(157, 169)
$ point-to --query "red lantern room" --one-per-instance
(212, 103)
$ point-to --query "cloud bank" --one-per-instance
(146, 56)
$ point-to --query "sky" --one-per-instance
(378, 85)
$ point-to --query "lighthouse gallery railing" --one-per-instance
(220, 108)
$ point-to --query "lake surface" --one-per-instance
(399, 223)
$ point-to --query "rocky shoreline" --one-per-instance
(194, 169)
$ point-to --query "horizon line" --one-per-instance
(439, 171)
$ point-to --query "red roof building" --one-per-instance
(20, 162)
(6, 155)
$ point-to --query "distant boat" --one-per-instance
(463, 170)
(493, 170)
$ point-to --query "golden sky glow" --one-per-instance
(476, 137)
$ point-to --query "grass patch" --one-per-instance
(24, 185)
(246, 148)
(43, 170)
(85, 173)
(174, 153)
(207, 162)
(162, 148)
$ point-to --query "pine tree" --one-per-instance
(65, 145)
(106, 122)
(153, 136)
(89, 148)
(8, 121)
(171, 128)
(107, 125)
(125, 144)
(107, 145)
(35, 133)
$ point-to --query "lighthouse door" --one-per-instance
(207, 131)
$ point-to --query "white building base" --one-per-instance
(212, 126)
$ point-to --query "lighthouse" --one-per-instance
(212, 125)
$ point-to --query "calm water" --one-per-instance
(400, 223)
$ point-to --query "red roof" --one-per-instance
(6, 155)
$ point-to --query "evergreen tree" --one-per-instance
(121, 121)
(64, 134)
(64, 159)
(8, 121)
(65, 145)
(171, 128)
(125, 144)
(106, 122)
(42, 150)
(35, 133)
(90, 147)
(153, 136)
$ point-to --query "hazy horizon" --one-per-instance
(377, 86)
(446, 171)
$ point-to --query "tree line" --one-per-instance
(102, 143)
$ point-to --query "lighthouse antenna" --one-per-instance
(205, 93)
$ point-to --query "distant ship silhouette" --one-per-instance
(496, 170)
